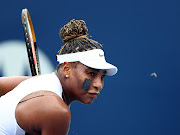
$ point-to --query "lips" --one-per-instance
(93, 95)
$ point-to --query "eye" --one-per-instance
(91, 73)
(103, 76)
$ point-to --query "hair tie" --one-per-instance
(73, 37)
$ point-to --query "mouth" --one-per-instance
(93, 95)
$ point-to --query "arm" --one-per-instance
(44, 115)
(9, 83)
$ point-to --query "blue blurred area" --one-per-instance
(139, 37)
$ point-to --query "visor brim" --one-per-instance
(111, 69)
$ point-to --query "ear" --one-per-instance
(67, 68)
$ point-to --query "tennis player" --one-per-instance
(40, 105)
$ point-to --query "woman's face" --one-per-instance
(76, 79)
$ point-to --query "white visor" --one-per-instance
(92, 58)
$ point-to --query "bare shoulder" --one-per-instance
(46, 114)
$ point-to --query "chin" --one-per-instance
(87, 101)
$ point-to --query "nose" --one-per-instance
(98, 84)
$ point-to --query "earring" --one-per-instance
(67, 76)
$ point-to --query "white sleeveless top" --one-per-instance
(8, 102)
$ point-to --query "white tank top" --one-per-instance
(8, 102)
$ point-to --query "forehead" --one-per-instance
(86, 68)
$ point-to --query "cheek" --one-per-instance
(86, 84)
(77, 81)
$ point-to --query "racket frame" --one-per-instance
(30, 40)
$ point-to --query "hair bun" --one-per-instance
(73, 29)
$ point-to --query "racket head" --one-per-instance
(30, 40)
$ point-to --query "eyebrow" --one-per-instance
(105, 72)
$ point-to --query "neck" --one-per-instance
(67, 98)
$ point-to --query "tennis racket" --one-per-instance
(30, 40)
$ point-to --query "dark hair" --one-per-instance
(74, 35)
